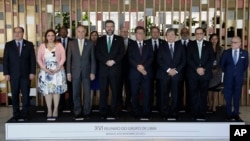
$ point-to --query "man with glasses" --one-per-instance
(19, 67)
(109, 54)
(140, 56)
(200, 58)
(234, 63)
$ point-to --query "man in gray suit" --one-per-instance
(81, 70)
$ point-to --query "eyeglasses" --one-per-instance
(234, 42)
(199, 33)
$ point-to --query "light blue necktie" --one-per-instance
(235, 57)
(199, 48)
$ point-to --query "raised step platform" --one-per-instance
(65, 127)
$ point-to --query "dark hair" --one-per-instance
(109, 21)
(217, 48)
(139, 28)
(63, 27)
(200, 29)
(154, 27)
(92, 32)
(19, 28)
(46, 33)
(170, 30)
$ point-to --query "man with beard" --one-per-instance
(109, 54)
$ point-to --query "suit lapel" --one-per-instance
(23, 47)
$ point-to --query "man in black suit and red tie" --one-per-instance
(200, 58)
(155, 43)
(64, 39)
(140, 55)
(171, 59)
(19, 67)
(109, 54)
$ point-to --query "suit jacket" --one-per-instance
(77, 63)
(135, 59)
(116, 53)
(206, 61)
(19, 66)
(165, 61)
(230, 70)
(125, 63)
(155, 51)
(66, 50)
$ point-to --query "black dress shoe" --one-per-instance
(228, 118)
(237, 118)
(87, 116)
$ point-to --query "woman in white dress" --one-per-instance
(51, 78)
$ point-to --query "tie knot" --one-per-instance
(155, 42)
(18, 44)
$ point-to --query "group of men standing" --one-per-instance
(152, 68)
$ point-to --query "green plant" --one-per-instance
(193, 22)
(149, 24)
(66, 22)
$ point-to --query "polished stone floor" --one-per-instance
(6, 113)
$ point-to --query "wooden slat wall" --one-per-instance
(15, 13)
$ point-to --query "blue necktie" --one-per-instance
(171, 51)
(235, 57)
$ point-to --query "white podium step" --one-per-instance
(119, 130)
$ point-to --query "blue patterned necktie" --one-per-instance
(171, 51)
(235, 57)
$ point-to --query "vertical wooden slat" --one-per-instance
(226, 16)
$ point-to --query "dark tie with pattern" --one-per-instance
(18, 48)
(155, 46)
(140, 47)
(185, 43)
(64, 43)
(171, 51)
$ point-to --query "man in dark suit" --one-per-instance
(125, 70)
(140, 56)
(234, 63)
(19, 67)
(81, 67)
(184, 41)
(155, 43)
(64, 39)
(171, 59)
(200, 58)
(109, 54)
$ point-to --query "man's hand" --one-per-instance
(110, 63)
(200, 71)
(140, 67)
(172, 72)
(32, 76)
(69, 77)
(92, 76)
(7, 77)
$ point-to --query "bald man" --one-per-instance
(234, 70)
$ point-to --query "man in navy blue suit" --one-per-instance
(171, 59)
(234, 63)
(200, 58)
(19, 67)
(140, 56)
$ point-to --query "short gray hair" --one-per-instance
(170, 30)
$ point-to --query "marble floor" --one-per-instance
(6, 113)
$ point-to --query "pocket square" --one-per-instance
(242, 57)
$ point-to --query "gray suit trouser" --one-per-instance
(77, 92)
